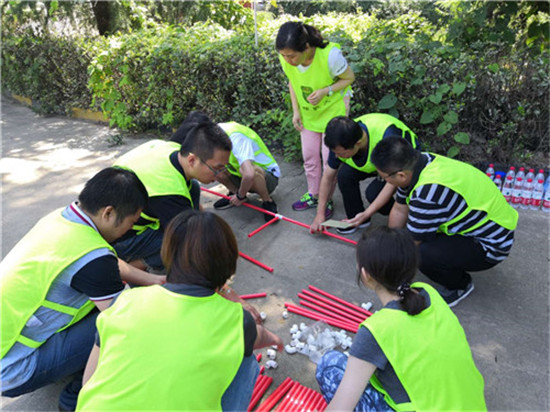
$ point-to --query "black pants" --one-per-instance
(348, 183)
(448, 259)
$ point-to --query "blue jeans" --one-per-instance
(330, 372)
(64, 354)
(238, 395)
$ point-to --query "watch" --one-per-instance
(239, 196)
(330, 91)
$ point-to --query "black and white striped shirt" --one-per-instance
(432, 205)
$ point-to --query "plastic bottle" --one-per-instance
(547, 184)
(507, 188)
(517, 197)
(527, 194)
(546, 198)
(498, 182)
(530, 175)
(539, 176)
(521, 174)
(538, 193)
(511, 172)
(490, 171)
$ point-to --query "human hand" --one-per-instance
(297, 122)
(317, 225)
(158, 279)
(253, 311)
(315, 97)
(356, 220)
(235, 201)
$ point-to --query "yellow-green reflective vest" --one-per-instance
(377, 123)
(431, 357)
(234, 127)
(477, 190)
(317, 76)
(164, 350)
(151, 163)
(31, 267)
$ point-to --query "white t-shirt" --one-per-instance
(337, 64)
(244, 149)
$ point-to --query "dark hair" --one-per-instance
(296, 35)
(391, 258)
(199, 248)
(193, 118)
(116, 187)
(394, 153)
(342, 131)
(203, 138)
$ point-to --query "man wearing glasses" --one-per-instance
(456, 214)
(170, 171)
(351, 142)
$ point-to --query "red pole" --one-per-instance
(350, 327)
(324, 312)
(262, 227)
(304, 406)
(262, 370)
(291, 392)
(254, 295)
(342, 301)
(294, 400)
(344, 310)
(276, 396)
(259, 357)
(262, 388)
(332, 308)
(256, 262)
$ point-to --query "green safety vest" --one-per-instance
(164, 350)
(31, 267)
(234, 127)
(478, 191)
(151, 163)
(377, 123)
(431, 357)
(317, 76)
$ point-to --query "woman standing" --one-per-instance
(319, 83)
(410, 355)
(180, 346)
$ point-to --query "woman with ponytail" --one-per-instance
(319, 83)
(410, 355)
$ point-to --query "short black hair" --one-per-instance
(116, 187)
(342, 131)
(394, 153)
(193, 118)
(203, 138)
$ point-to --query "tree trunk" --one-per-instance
(106, 16)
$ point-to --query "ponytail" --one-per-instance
(296, 36)
(411, 301)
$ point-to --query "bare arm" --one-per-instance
(296, 118)
(383, 197)
(91, 365)
(355, 380)
(344, 80)
(135, 276)
(325, 188)
(230, 294)
(398, 215)
(247, 172)
(266, 338)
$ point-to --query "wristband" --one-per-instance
(239, 196)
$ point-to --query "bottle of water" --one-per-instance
(530, 175)
(547, 184)
(538, 192)
(517, 195)
(546, 198)
(507, 188)
(539, 176)
(490, 171)
(521, 174)
(498, 182)
(527, 194)
(511, 172)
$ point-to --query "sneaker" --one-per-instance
(329, 211)
(306, 202)
(272, 207)
(223, 203)
(353, 229)
(452, 297)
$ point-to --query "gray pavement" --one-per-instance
(46, 160)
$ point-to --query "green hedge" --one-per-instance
(484, 102)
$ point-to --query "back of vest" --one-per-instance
(430, 355)
(163, 350)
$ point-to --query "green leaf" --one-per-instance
(458, 88)
(453, 151)
(451, 117)
(54, 5)
(443, 89)
(435, 98)
(443, 128)
(494, 67)
(417, 82)
(427, 117)
(462, 137)
(387, 102)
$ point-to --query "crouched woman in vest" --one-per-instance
(412, 354)
(180, 346)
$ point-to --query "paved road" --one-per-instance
(46, 160)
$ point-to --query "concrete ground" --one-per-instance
(46, 160)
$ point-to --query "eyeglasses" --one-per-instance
(216, 172)
(384, 178)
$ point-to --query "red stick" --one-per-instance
(342, 301)
(325, 303)
(276, 396)
(307, 400)
(325, 312)
(295, 399)
(321, 405)
(350, 327)
(262, 370)
(254, 295)
(256, 262)
(264, 384)
(259, 357)
(306, 394)
(291, 392)
(356, 316)
(259, 209)
(262, 227)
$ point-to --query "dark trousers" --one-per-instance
(448, 259)
(348, 183)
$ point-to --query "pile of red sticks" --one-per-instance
(330, 309)
(295, 397)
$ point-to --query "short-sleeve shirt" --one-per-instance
(243, 150)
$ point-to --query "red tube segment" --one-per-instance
(262, 384)
(342, 301)
(276, 396)
(325, 312)
(262, 227)
(254, 295)
(256, 262)
(332, 306)
(350, 327)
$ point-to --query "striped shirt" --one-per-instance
(432, 205)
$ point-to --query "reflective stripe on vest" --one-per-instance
(32, 266)
(151, 163)
(477, 190)
(233, 127)
(164, 350)
(317, 76)
(430, 355)
(377, 123)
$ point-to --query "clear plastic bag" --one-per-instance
(319, 339)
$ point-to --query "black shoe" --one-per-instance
(223, 203)
(353, 229)
(272, 207)
(452, 297)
